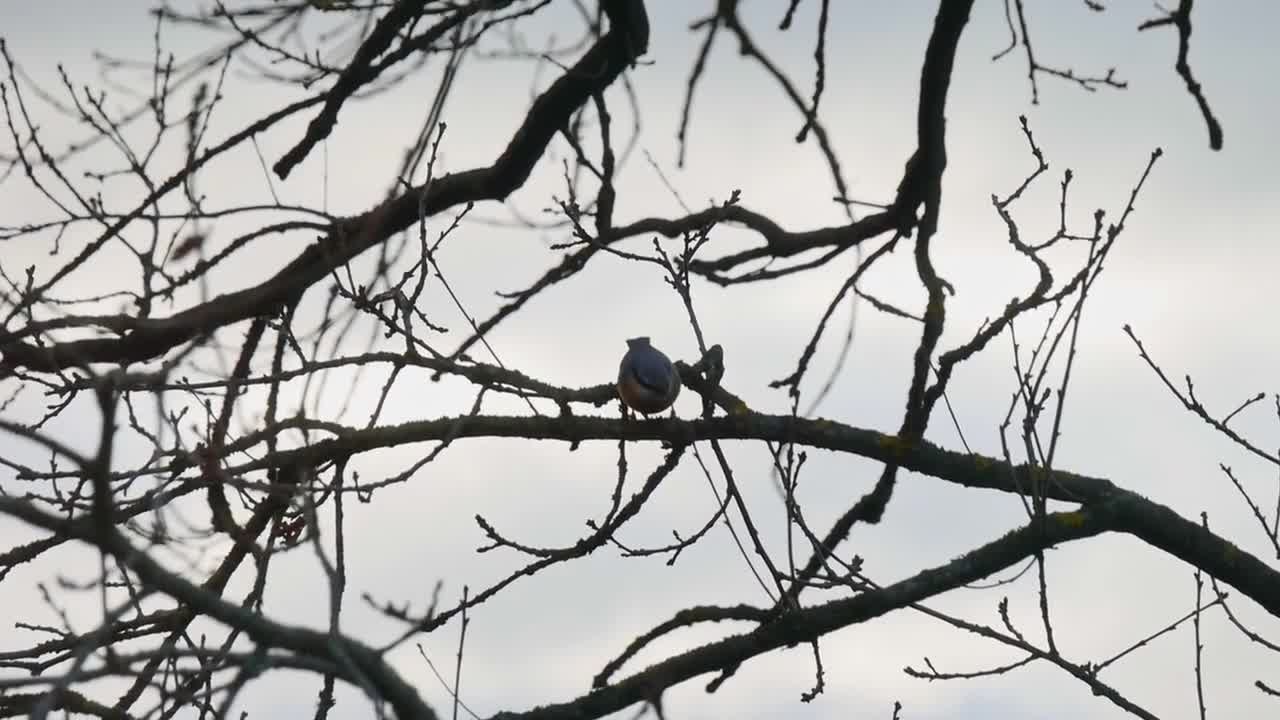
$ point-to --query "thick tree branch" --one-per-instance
(359, 72)
(595, 71)
(264, 631)
(1131, 513)
(811, 623)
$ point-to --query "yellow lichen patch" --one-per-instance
(740, 409)
(894, 444)
(1071, 519)
(982, 462)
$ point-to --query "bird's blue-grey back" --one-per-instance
(652, 369)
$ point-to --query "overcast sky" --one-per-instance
(1194, 274)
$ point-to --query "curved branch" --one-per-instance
(360, 72)
(595, 71)
(811, 623)
(1181, 19)
(1129, 512)
(262, 630)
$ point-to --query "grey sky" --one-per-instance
(1193, 274)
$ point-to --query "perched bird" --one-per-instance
(647, 381)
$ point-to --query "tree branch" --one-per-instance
(595, 71)
(1128, 512)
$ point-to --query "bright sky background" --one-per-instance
(1194, 275)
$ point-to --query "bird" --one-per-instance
(647, 380)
